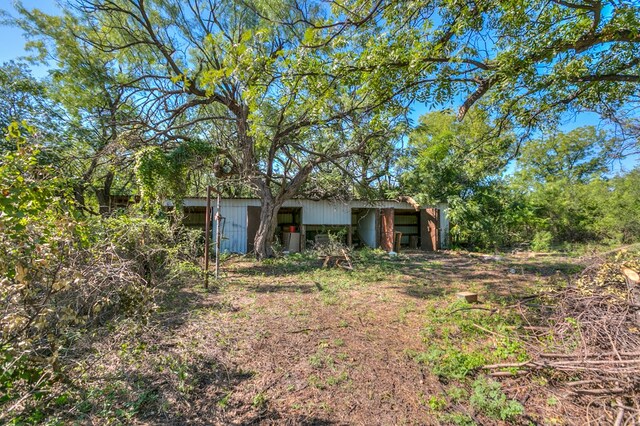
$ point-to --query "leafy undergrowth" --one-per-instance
(67, 281)
(460, 339)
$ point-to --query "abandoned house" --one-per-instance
(391, 225)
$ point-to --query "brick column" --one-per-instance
(429, 235)
(386, 229)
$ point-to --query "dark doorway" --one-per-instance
(288, 233)
(194, 217)
(253, 222)
(408, 222)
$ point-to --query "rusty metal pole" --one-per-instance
(218, 219)
(207, 237)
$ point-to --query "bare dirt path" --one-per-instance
(281, 345)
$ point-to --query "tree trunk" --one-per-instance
(104, 195)
(270, 205)
(78, 195)
(268, 222)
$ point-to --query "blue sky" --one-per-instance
(12, 45)
(13, 41)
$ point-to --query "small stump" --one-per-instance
(470, 297)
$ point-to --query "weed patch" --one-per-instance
(488, 397)
(450, 362)
(460, 339)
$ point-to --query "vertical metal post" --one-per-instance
(207, 237)
(218, 218)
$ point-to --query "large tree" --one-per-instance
(575, 156)
(287, 92)
(565, 178)
(445, 158)
(455, 162)
(98, 129)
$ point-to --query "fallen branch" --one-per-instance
(619, 417)
(612, 391)
(492, 310)
(509, 365)
(594, 354)
(506, 373)
(586, 329)
(305, 330)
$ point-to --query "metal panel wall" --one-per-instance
(367, 228)
(429, 237)
(314, 213)
(444, 226)
(325, 213)
(234, 235)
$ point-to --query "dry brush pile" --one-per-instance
(584, 334)
(63, 275)
(57, 293)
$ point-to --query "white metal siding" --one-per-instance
(444, 225)
(313, 213)
(225, 202)
(381, 204)
(234, 236)
(367, 228)
(325, 213)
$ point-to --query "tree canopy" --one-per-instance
(276, 99)
(273, 105)
(525, 60)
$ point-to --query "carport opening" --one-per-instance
(289, 217)
(194, 217)
(288, 230)
(407, 222)
(323, 234)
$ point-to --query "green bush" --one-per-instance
(63, 274)
(488, 397)
(542, 241)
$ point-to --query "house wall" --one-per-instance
(323, 212)
(429, 233)
(234, 231)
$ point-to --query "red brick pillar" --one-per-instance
(429, 235)
(386, 229)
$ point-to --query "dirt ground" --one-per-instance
(291, 343)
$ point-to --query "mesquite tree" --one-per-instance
(288, 92)
(96, 122)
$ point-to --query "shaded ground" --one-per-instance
(290, 343)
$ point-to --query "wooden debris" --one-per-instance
(631, 276)
(343, 261)
(595, 325)
(469, 296)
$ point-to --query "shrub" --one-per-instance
(451, 362)
(542, 241)
(62, 274)
(488, 397)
